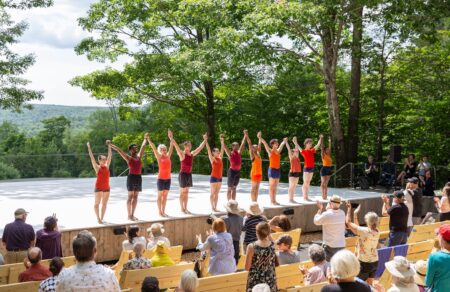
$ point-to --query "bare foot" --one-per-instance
(99, 221)
(130, 218)
(135, 219)
(293, 202)
(161, 214)
(275, 203)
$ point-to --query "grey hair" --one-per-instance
(372, 220)
(161, 146)
(344, 265)
(138, 248)
(189, 281)
(316, 253)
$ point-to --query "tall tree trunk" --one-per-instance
(381, 99)
(355, 90)
(210, 112)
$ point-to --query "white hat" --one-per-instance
(232, 207)
(261, 288)
(156, 229)
(335, 199)
(254, 209)
(400, 267)
(421, 270)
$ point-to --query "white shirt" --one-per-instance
(409, 203)
(126, 245)
(333, 227)
(152, 243)
(87, 277)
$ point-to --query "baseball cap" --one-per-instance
(20, 211)
(399, 194)
(285, 239)
(413, 180)
(444, 231)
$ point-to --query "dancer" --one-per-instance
(274, 165)
(102, 183)
(308, 168)
(215, 157)
(185, 177)
(256, 171)
(325, 171)
(164, 174)
(294, 171)
(235, 158)
(134, 179)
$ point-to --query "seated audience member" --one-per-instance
(333, 226)
(261, 288)
(428, 185)
(402, 275)
(86, 275)
(344, 269)
(161, 257)
(438, 268)
(443, 204)
(285, 254)
(220, 245)
(254, 216)
(49, 285)
(35, 270)
(138, 262)
(398, 221)
(421, 271)
(318, 273)
(18, 237)
(132, 238)
(409, 168)
(156, 232)
(367, 242)
(371, 170)
(150, 284)
(188, 282)
(48, 239)
(423, 166)
(280, 223)
(234, 222)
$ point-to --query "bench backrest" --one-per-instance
(174, 253)
(235, 282)
(295, 234)
(384, 224)
(424, 232)
(290, 275)
(21, 287)
(310, 288)
(351, 243)
(420, 250)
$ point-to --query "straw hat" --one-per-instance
(254, 209)
(156, 229)
(400, 267)
(335, 199)
(232, 207)
(261, 288)
(421, 270)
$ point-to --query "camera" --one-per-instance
(288, 211)
(354, 205)
(211, 219)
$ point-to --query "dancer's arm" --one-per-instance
(225, 148)
(241, 148)
(200, 147)
(211, 158)
(109, 157)
(265, 145)
(289, 150)
(319, 143)
(280, 148)
(155, 151)
(249, 142)
(125, 156)
(142, 150)
(175, 144)
(222, 150)
(170, 149)
(91, 156)
(294, 140)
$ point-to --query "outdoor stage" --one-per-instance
(72, 200)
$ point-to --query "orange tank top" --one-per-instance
(256, 166)
(326, 160)
(165, 167)
(217, 168)
(274, 160)
(295, 164)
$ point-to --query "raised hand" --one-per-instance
(199, 237)
(169, 134)
(285, 140)
(108, 142)
(319, 205)
(259, 135)
(88, 145)
(358, 209)
(349, 205)
(146, 136)
(321, 136)
(205, 136)
(245, 133)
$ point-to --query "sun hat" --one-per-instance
(400, 267)
(421, 270)
(254, 209)
(232, 207)
(20, 211)
(336, 199)
(156, 229)
(261, 288)
(444, 231)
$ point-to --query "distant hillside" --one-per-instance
(29, 121)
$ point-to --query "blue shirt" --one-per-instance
(438, 272)
(18, 235)
(221, 248)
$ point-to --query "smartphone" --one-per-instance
(355, 205)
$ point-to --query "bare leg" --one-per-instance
(254, 192)
(307, 176)
(233, 193)
(98, 196)
(211, 197)
(185, 200)
(159, 203)
(218, 187)
(105, 199)
(229, 193)
(129, 200)
(134, 204)
(324, 186)
(182, 200)
(165, 193)
(273, 183)
(293, 181)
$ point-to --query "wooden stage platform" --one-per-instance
(72, 200)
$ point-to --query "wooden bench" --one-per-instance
(424, 232)
(21, 287)
(310, 288)
(235, 282)
(168, 277)
(290, 275)
(295, 234)
(351, 243)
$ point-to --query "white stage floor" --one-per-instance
(72, 199)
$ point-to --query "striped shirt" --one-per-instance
(249, 228)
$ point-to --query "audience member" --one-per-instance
(132, 238)
(280, 223)
(161, 257)
(421, 271)
(333, 226)
(220, 245)
(55, 267)
(371, 170)
(188, 282)
(318, 273)
(35, 270)
(254, 216)
(428, 186)
(443, 204)
(150, 284)
(48, 239)
(367, 242)
(285, 254)
(156, 232)
(138, 262)
(261, 259)
(409, 168)
(86, 275)
(402, 275)
(398, 221)
(18, 237)
(415, 194)
(438, 268)
(344, 269)
(388, 172)
(408, 201)
(423, 167)
(234, 222)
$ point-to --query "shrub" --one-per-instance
(8, 171)
(61, 173)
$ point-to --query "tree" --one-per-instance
(54, 129)
(13, 94)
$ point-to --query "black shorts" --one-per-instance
(233, 177)
(325, 171)
(367, 270)
(185, 180)
(134, 183)
(163, 184)
(294, 174)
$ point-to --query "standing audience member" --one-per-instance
(438, 269)
(261, 260)
(415, 194)
(371, 170)
(402, 275)
(156, 232)
(49, 285)
(48, 239)
(285, 254)
(428, 186)
(150, 284)
(421, 271)
(398, 221)
(220, 244)
(132, 238)
(86, 275)
(280, 223)
(161, 257)
(333, 226)
(138, 262)
(35, 271)
(443, 204)
(344, 269)
(234, 223)
(254, 216)
(367, 242)
(318, 273)
(188, 282)
(18, 237)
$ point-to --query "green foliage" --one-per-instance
(8, 172)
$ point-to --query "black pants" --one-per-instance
(236, 251)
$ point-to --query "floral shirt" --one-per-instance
(368, 243)
(137, 263)
(48, 285)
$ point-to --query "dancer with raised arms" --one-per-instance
(325, 171)
(164, 174)
(134, 179)
(274, 171)
(102, 187)
(295, 170)
(235, 158)
(185, 176)
(215, 157)
(256, 171)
